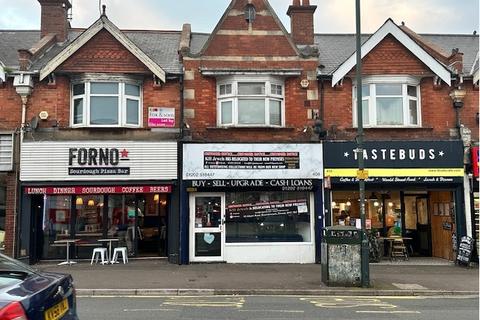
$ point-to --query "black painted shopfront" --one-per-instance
(414, 189)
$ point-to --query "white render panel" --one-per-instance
(284, 252)
(49, 161)
(311, 163)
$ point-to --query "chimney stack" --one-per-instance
(55, 18)
(301, 22)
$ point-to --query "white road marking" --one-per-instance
(409, 286)
(376, 311)
(281, 311)
(158, 309)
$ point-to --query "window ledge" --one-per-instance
(253, 128)
(391, 128)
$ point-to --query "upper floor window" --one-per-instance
(106, 104)
(250, 102)
(389, 101)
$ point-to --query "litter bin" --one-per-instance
(341, 256)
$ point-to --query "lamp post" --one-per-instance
(365, 271)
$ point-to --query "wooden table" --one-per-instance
(67, 244)
(109, 240)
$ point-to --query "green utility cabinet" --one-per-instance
(341, 256)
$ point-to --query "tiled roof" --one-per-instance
(162, 47)
(336, 48)
(13, 40)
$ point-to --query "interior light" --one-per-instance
(334, 204)
(349, 203)
(376, 204)
(79, 201)
(390, 204)
(156, 197)
(91, 202)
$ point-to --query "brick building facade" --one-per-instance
(257, 114)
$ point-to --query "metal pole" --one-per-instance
(365, 280)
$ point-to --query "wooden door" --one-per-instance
(441, 211)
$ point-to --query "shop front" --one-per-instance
(252, 203)
(414, 190)
(88, 191)
(475, 196)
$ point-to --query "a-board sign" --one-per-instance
(465, 249)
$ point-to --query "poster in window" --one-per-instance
(441, 209)
(60, 216)
(436, 209)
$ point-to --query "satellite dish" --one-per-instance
(34, 123)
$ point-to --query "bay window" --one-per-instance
(250, 102)
(106, 104)
(389, 102)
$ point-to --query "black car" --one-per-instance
(28, 294)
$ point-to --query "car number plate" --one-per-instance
(57, 311)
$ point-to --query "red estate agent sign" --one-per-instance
(98, 189)
(475, 158)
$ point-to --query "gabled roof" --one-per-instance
(2, 72)
(82, 39)
(389, 27)
(225, 16)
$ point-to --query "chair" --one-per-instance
(102, 254)
(123, 251)
(399, 250)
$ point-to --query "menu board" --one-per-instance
(266, 209)
(465, 250)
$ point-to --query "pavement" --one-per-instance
(159, 277)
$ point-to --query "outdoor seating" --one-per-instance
(120, 250)
(100, 253)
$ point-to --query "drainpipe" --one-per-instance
(181, 206)
(23, 84)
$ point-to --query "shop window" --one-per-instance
(106, 104)
(89, 222)
(389, 102)
(251, 102)
(54, 220)
(268, 217)
(379, 207)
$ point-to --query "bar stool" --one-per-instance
(102, 254)
(123, 251)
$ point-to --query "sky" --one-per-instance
(332, 16)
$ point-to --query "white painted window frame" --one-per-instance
(235, 97)
(122, 105)
(405, 81)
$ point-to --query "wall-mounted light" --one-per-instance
(156, 197)
(376, 204)
(349, 203)
(334, 204)
(91, 202)
(79, 201)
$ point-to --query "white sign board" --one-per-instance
(252, 161)
(98, 160)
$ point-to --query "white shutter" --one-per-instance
(6, 152)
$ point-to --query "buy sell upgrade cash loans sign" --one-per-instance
(396, 161)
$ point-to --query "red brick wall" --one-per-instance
(438, 115)
(10, 118)
(391, 57)
(10, 216)
(54, 20)
(56, 100)
(249, 45)
(103, 53)
(203, 126)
